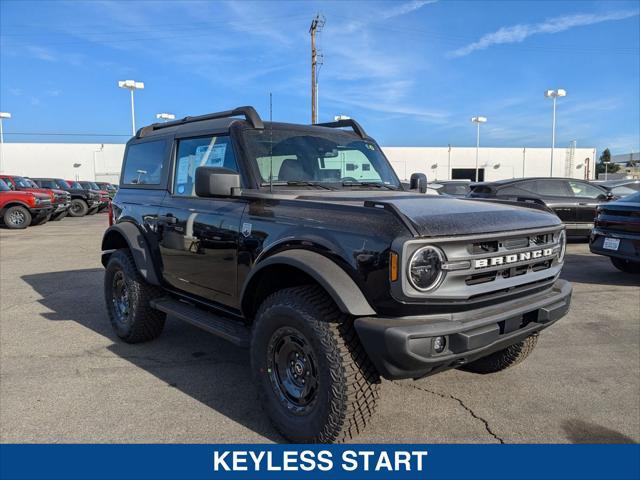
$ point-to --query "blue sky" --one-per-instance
(412, 72)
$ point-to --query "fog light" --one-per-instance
(439, 343)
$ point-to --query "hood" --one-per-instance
(434, 216)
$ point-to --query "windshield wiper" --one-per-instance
(298, 183)
(367, 184)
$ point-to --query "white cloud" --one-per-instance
(518, 33)
(397, 11)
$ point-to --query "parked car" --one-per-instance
(620, 188)
(83, 202)
(617, 233)
(60, 200)
(108, 187)
(455, 188)
(574, 201)
(105, 198)
(259, 233)
(19, 209)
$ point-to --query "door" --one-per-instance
(556, 195)
(198, 237)
(587, 198)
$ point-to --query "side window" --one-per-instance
(581, 189)
(200, 152)
(143, 165)
(10, 183)
(47, 184)
(552, 188)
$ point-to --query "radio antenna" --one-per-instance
(270, 142)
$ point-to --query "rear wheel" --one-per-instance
(78, 208)
(503, 359)
(315, 380)
(626, 266)
(128, 297)
(17, 217)
(41, 221)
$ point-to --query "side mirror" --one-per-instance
(610, 196)
(216, 182)
(418, 182)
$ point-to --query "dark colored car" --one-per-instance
(620, 188)
(617, 233)
(574, 201)
(60, 200)
(455, 188)
(111, 189)
(19, 209)
(105, 196)
(300, 243)
(83, 202)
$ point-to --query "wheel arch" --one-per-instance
(128, 235)
(297, 266)
(14, 203)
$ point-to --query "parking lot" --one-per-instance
(65, 377)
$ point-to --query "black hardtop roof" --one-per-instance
(222, 121)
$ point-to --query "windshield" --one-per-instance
(31, 183)
(4, 187)
(90, 186)
(335, 159)
(73, 184)
(21, 182)
(62, 184)
(106, 186)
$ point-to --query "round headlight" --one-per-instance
(562, 241)
(425, 268)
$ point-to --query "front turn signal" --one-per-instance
(393, 266)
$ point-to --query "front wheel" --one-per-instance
(626, 266)
(17, 217)
(314, 379)
(128, 296)
(503, 359)
(78, 208)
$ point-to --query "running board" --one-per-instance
(232, 331)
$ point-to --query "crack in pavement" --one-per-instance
(462, 404)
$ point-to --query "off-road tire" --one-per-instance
(143, 322)
(59, 216)
(92, 211)
(11, 215)
(41, 221)
(348, 383)
(626, 266)
(503, 359)
(78, 208)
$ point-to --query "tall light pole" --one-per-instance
(165, 116)
(95, 170)
(554, 94)
(3, 116)
(131, 85)
(478, 121)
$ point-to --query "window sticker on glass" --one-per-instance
(370, 147)
(211, 155)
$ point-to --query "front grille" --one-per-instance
(491, 265)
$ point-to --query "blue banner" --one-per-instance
(283, 462)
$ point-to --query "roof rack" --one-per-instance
(345, 122)
(249, 114)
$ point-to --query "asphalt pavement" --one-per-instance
(65, 377)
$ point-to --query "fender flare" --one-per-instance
(137, 245)
(336, 282)
(16, 203)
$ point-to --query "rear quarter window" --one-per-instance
(144, 163)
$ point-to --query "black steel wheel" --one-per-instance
(78, 208)
(128, 296)
(314, 379)
(293, 369)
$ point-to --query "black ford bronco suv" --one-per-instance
(300, 243)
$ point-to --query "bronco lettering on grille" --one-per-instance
(514, 258)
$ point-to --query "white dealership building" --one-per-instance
(102, 162)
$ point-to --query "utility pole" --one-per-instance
(316, 26)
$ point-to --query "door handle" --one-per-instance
(582, 204)
(167, 219)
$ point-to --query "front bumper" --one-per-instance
(61, 207)
(628, 248)
(403, 347)
(38, 213)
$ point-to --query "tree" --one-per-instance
(605, 158)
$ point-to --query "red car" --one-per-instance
(21, 209)
(60, 200)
